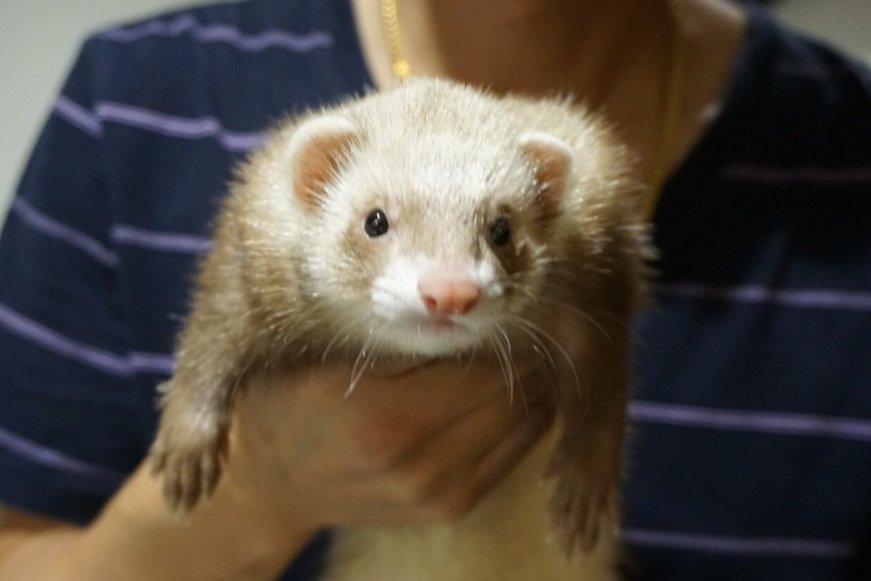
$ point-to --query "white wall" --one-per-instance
(38, 39)
(846, 23)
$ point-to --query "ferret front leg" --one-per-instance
(587, 462)
(190, 444)
(196, 404)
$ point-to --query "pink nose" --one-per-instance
(448, 295)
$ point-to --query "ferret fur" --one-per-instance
(295, 278)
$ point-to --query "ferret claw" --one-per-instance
(580, 515)
(583, 506)
(190, 472)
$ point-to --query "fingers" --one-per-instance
(461, 490)
(419, 444)
(448, 472)
(496, 462)
(469, 408)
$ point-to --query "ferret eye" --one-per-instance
(500, 231)
(376, 223)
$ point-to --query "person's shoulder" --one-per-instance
(797, 91)
(187, 61)
(253, 25)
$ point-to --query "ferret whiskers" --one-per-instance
(502, 351)
(364, 360)
(580, 313)
(342, 335)
(536, 334)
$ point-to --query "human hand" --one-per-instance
(405, 446)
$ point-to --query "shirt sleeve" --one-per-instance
(72, 416)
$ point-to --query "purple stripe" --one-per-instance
(181, 127)
(54, 459)
(54, 341)
(51, 227)
(78, 116)
(752, 421)
(152, 362)
(162, 241)
(114, 364)
(808, 298)
(749, 546)
(812, 175)
(187, 24)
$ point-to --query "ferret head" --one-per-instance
(430, 236)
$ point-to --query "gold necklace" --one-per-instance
(390, 22)
(672, 100)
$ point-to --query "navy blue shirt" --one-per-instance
(750, 455)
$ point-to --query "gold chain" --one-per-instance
(390, 21)
(671, 112)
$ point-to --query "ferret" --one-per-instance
(430, 221)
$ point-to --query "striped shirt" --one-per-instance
(750, 455)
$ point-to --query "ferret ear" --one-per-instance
(551, 161)
(317, 148)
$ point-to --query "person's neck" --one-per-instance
(535, 46)
(616, 57)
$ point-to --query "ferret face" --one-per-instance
(425, 276)
(430, 246)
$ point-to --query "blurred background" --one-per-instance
(39, 39)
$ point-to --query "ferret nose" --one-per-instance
(447, 295)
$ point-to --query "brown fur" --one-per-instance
(288, 280)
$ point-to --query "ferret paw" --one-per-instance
(584, 504)
(190, 468)
(582, 515)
